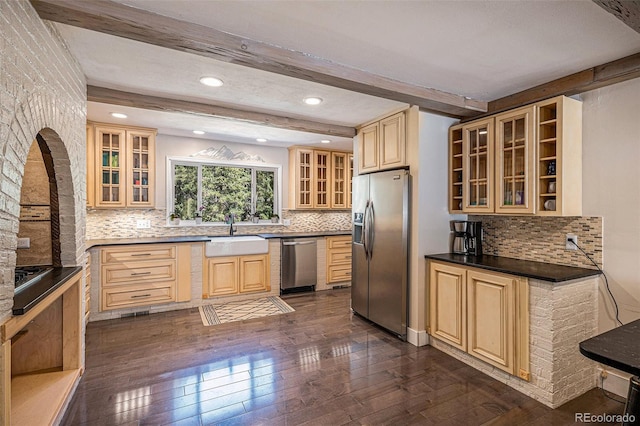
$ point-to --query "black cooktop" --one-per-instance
(27, 275)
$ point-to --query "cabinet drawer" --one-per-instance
(138, 254)
(339, 242)
(338, 274)
(141, 272)
(125, 297)
(339, 258)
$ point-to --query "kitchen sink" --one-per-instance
(236, 246)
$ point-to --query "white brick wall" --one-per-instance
(561, 316)
(42, 89)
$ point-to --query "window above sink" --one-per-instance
(214, 190)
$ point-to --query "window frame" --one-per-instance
(253, 165)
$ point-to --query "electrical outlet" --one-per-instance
(569, 245)
(286, 222)
(24, 243)
(143, 224)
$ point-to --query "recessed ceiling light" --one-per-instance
(325, 141)
(198, 132)
(211, 81)
(312, 100)
(118, 115)
(261, 140)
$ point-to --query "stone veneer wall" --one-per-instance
(42, 90)
(121, 223)
(561, 315)
(542, 239)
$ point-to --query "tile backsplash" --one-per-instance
(542, 238)
(121, 223)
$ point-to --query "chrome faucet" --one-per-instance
(232, 230)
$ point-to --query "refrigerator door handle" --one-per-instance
(371, 228)
(364, 231)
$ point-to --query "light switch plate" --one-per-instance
(143, 224)
(24, 243)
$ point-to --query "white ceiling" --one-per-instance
(480, 49)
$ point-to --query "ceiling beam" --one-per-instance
(147, 27)
(592, 78)
(156, 103)
(625, 10)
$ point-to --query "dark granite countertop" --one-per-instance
(618, 348)
(524, 268)
(34, 293)
(305, 234)
(149, 240)
(202, 238)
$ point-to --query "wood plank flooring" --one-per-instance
(320, 365)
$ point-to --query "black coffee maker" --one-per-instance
(466, 237)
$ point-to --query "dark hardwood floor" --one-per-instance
(319, 365)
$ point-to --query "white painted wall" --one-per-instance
(611, 189)
(167, 145)
(431, 226)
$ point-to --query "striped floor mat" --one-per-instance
(242, 310)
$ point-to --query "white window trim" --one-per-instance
(171, 160)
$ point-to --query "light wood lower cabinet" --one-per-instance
(448, 310)
(224, 276)
(338, 259)
(482, 313)
(143, 275)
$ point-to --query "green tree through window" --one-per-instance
(223, 189)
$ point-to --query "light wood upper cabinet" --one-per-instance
(319, 179)
(524, 161)
(341, 181)
(559, 168)
(90, 167)
(123, 169)
(301, 178)
(140, 168)
(322, 181)
(350, 182)
(382, 145)
(478, 167)
(515, 161)
(368, 151)
(455, 169)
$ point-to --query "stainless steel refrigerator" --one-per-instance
(380, 248)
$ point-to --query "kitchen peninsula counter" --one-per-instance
(524, 268)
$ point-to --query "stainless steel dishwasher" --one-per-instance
(299, 264)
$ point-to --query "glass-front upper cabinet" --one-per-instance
(111, 142)
(515, 161)
(124, 166)
(339, 180)
(321, 183)
(141, 173)
(478, 168)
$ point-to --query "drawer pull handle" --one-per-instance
(141, 254)
(137, 296)
(141, 273)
